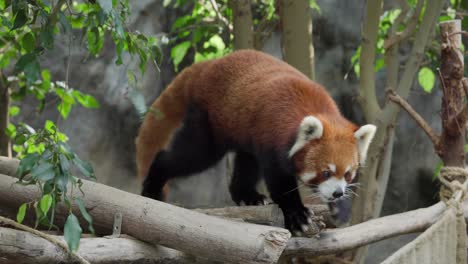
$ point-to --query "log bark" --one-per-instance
(296, 27)
(164, 224)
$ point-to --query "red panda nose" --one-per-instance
(338, 193)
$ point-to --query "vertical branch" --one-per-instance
(370, 29)
(452, 145)
(242, 24)
(374, 176)
(5, 149)
(296, 26)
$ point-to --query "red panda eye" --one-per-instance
(326, 174)
(347, 176)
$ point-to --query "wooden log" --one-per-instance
(338, 240)
(265, 215)
(164, 224)
(20, 247)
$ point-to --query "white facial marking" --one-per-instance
(307, 176)
(353, 174)
(310, 128)
(364, 136)
(328, 187)
(332, 167)
(348, 168)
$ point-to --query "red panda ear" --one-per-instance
(310, 128)
(364, 135)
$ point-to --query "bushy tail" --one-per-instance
(164, 117)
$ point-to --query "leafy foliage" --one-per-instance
(27, 30)
(426, 76)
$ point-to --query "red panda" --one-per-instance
(281, 125)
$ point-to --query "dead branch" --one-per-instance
(394, 97)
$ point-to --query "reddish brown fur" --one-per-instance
(249, 97)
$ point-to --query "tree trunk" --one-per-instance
(452, 144)
(296, 26)
(242, 24)
(5, 149)
(374, 175)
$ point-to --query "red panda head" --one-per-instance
(327, 153)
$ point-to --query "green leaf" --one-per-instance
(178, 53)
(217, 42)
(45, 203)
(27, 163)
(28, 42)
(61, 182)
(426, 79)
(72, 232)
(24, 60)
(20, 18)
(85, 167)
(45, 75)
(21, 213)
(64, 109)
(10, 130)
(64, 163)
(85, 214)
(440, 164)
(14, 110)
(86, 100)
(43, 172)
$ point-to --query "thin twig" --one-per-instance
(463, 33)
(410, 28)
(219, 15)
(394, 97)
(45, 236)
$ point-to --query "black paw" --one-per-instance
(156, 196)
(297, 220)
(253, 198)
(152, 192)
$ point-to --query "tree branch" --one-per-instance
(338, 240)
(394, 97)
(367, 95)
(397, 37)
(219, 15)
(45, 236)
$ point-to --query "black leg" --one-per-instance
(193, 150)
(284, 191)
(244, 180)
